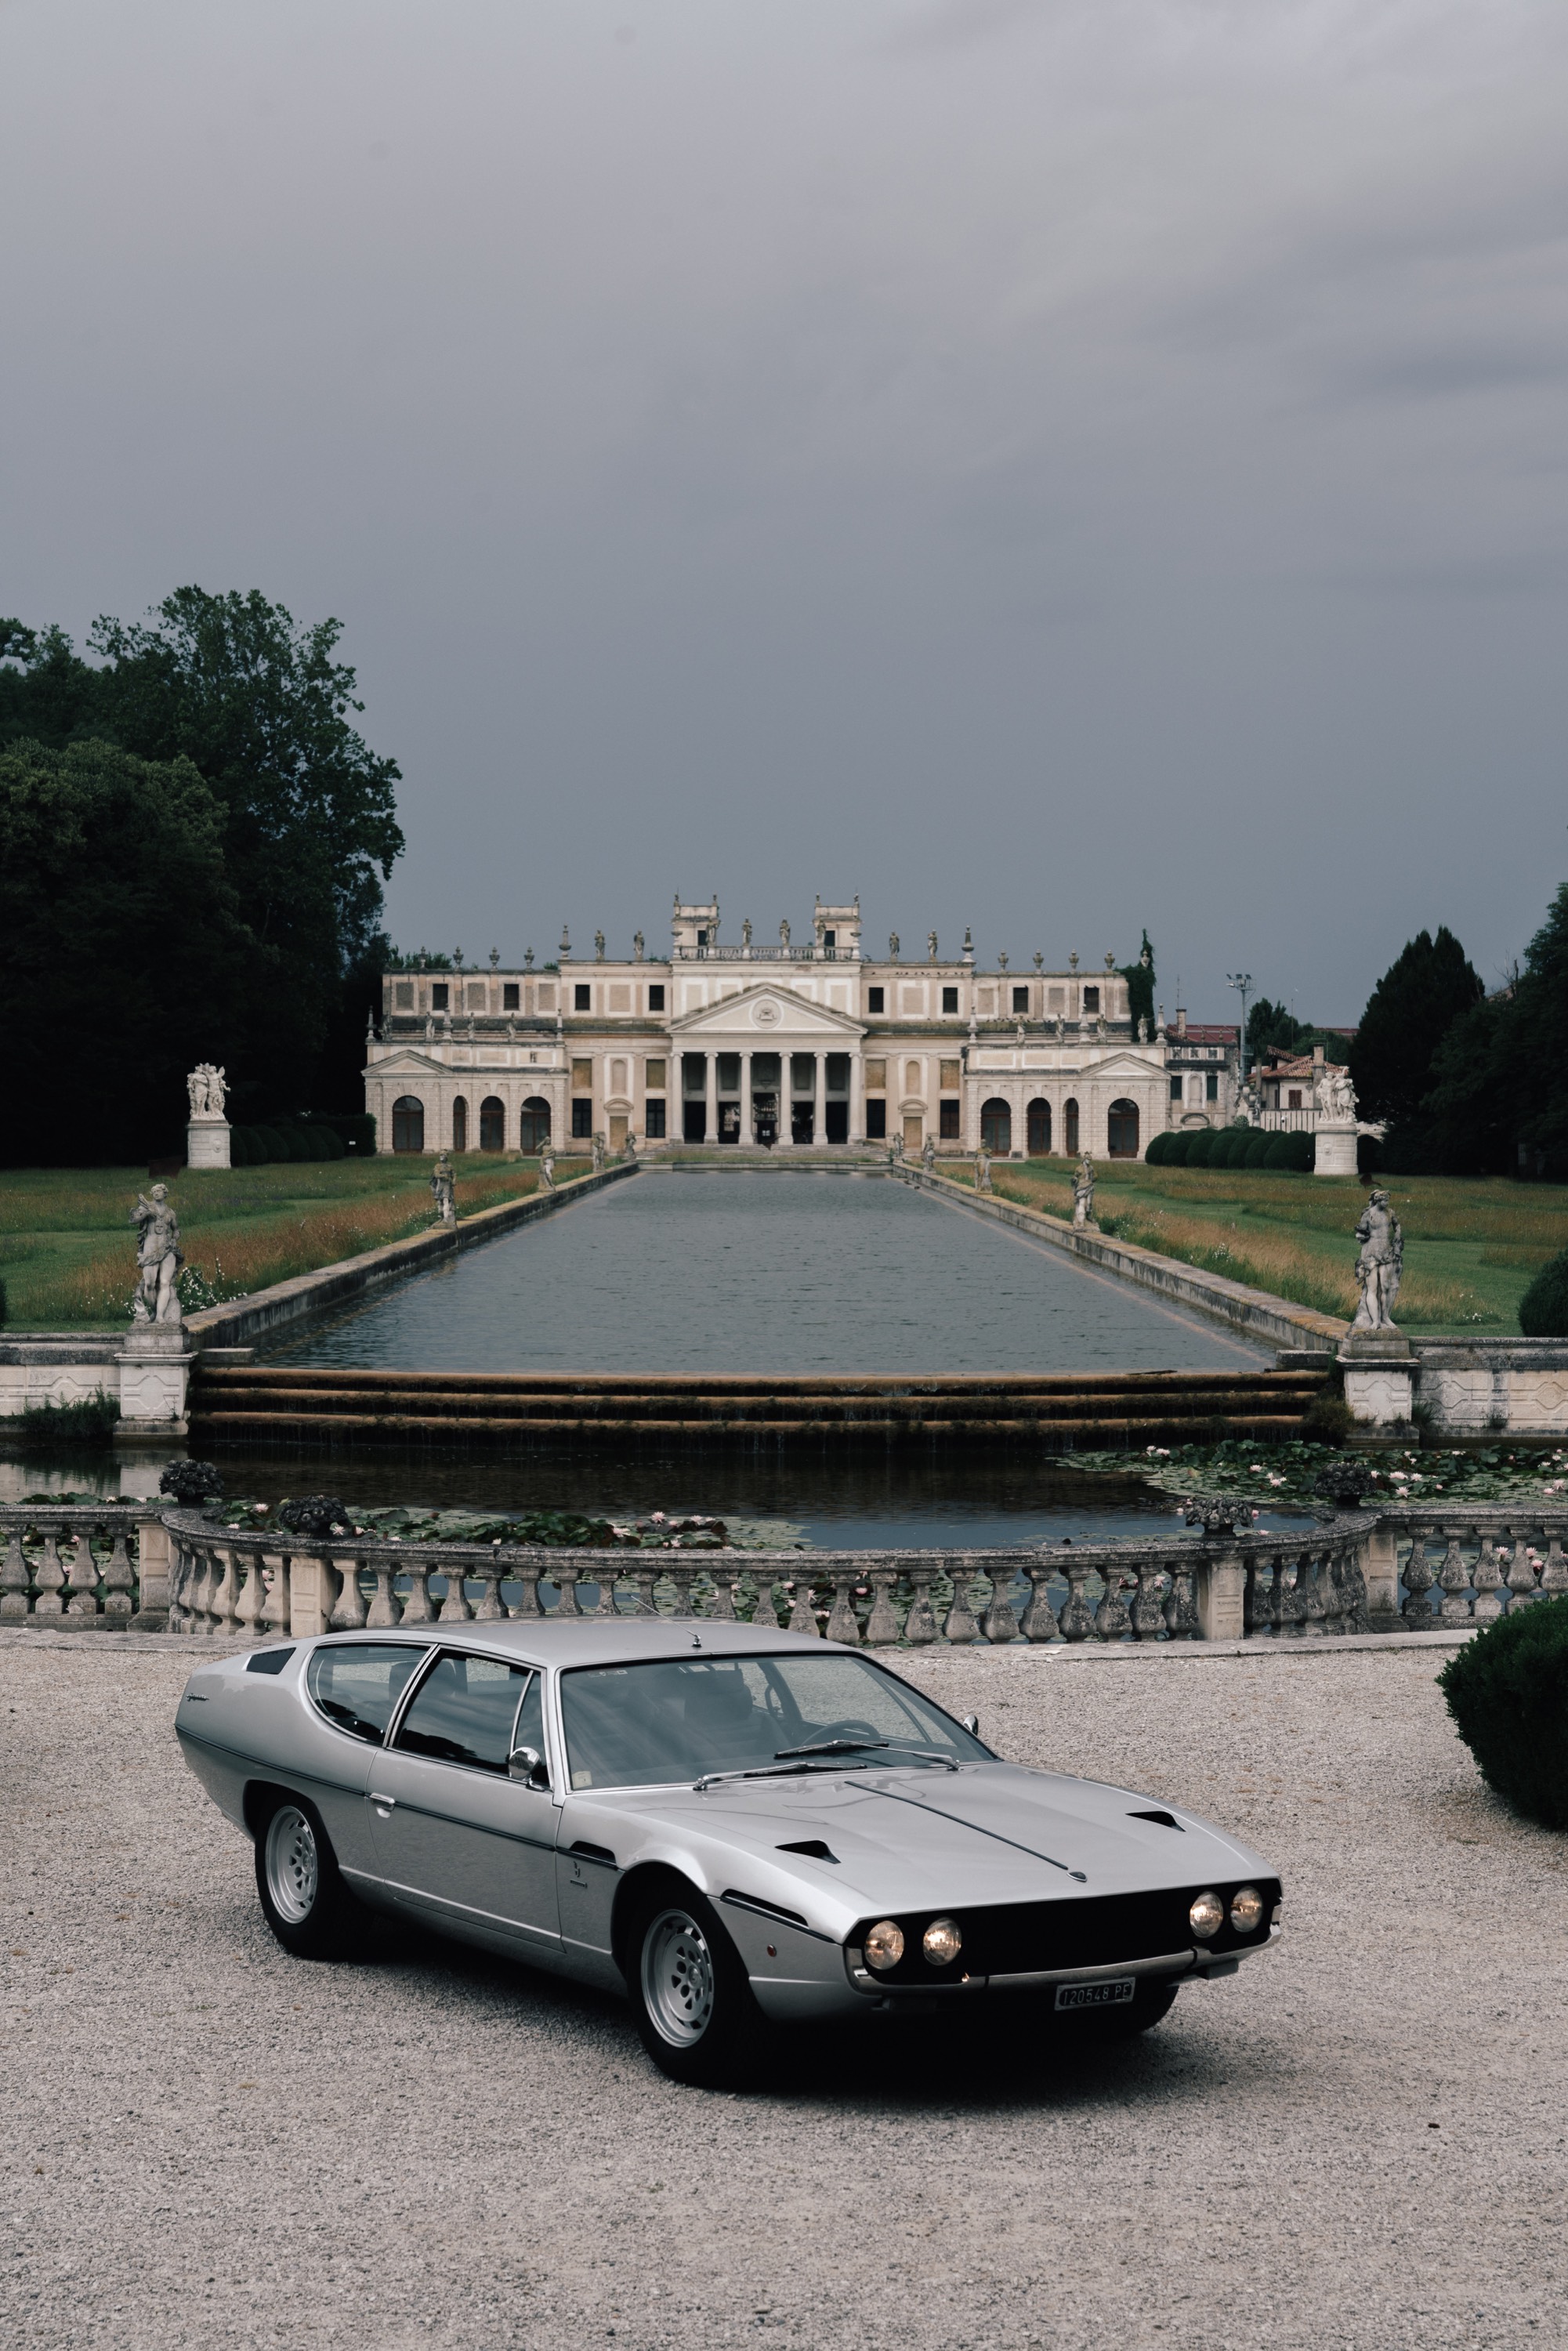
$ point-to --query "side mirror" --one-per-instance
(526, 1764)
(972, 1724)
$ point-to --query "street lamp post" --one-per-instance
(1242, 980)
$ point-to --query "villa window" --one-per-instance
(439, 995)
(408, 1124)
(949, 999)
(876, 1000)
(511, 997)
(581, 1120)
(583, 997)
(1175, 1089)
(876, 1122)
(1092, 999)
(1021, 999)
(654, 1119)
(656, 996)
(947, 1121)
(1211, 1085)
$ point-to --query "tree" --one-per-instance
(263, 710)
(1270, 1026)
(1428, 987)
(123, 959)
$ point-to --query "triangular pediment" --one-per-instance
(757, 1014)
(406, 1063)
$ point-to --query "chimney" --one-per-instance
(1317, 1056)
(1181, 1020)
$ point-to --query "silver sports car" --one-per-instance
(741, 1831)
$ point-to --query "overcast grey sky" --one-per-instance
(1053, 465)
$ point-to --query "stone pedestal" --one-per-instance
(1380, 1370)
(207, 1143)
(154, 1373)
(1336, 1151)
(1221, 1596)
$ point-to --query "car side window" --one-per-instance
(463, 1712)
(531, 1726)
(358, 1685)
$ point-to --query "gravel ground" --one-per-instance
(1359, 2141)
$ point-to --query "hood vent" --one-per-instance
(1161, 1820)
(814, 1850)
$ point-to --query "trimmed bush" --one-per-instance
(1179, 1148)
(356, 1130)
(1154, 1157)
(1231, 1147)
(1508, 1692)
(1257, 1152)
(1199, 1151)
(1543, 1308)
(1294, 1151)
(268, 1144)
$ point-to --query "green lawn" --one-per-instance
(68, 1253)
(1471, 1245)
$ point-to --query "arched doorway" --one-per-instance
(460, 1124)
(492, 1124)
(1122, 1130)
(533, 1131)
(997, 1127)
(1070, 1127)
(408, 1124)
(1038, 1128)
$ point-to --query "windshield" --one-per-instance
(636, 1726)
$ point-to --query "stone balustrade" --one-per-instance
(1217, 1585)
(111, 1565)
(102, 1564)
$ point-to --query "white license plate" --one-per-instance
(1115, 1994)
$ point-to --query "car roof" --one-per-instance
(599, 1641)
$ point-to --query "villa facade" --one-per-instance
(815, 1046)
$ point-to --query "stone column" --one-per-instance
(747, 1136)
(857, 1093)
(1381, 1370)
(710, 1113)
(817, 1098)
(1380, 1567)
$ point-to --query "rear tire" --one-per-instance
(303, 1898)
(696, 2013)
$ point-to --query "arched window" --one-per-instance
(408, 1124)
(460, 1124)
(1038, 1128)
(1122, 1130)
(1070, 1128)
(492, 1124)
(997, 1127)
(534, 1131)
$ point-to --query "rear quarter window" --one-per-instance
(357, 1687)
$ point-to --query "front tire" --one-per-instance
(695, 2010)
(303, 1898)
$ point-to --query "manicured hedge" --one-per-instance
(1199, 1150)
(1508, 1692)
(1543, 1308)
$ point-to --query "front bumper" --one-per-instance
(1192, 1965)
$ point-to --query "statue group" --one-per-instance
(208, 1089)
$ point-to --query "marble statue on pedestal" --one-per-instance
(1336, 1095)
(982, 1169)
(598, 1155)
(208, 1089)
(1083, 1192)
(159, 1258)
(1379, 1266)
(547, 1168)
(443, 1188)
(208, 1135)
(928, 1155)
(628, 1149)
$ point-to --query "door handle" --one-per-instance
(383, 1803)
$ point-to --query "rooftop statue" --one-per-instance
(1380, 1265)
(159, 1258)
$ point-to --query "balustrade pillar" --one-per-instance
(882, 1624)
(843, 1624)
(1077, 1619)
(1148, 1612)
(82, 1580)
(1221, 1579)
(278, 1610)
(1000, 1622)
(920, 1619)
(49, 1579)
(348, 1612)
(961, 1624)
(1040, 1617)
(1453, 1582)
(14, 1581)
(764, 1612)
(117, 1578)
(1486, 1577)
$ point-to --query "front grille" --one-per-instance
(1097, 1930)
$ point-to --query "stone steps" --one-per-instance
(259, 1403)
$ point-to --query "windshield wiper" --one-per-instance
(813, 1761)
(829, 1747)
(869, 1746)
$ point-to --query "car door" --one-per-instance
(458, 1837)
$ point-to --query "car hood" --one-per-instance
(902, 1840)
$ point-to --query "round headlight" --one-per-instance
(1246, 1909)
(884, 1945)
(942, 1942)
(1207, 1916)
